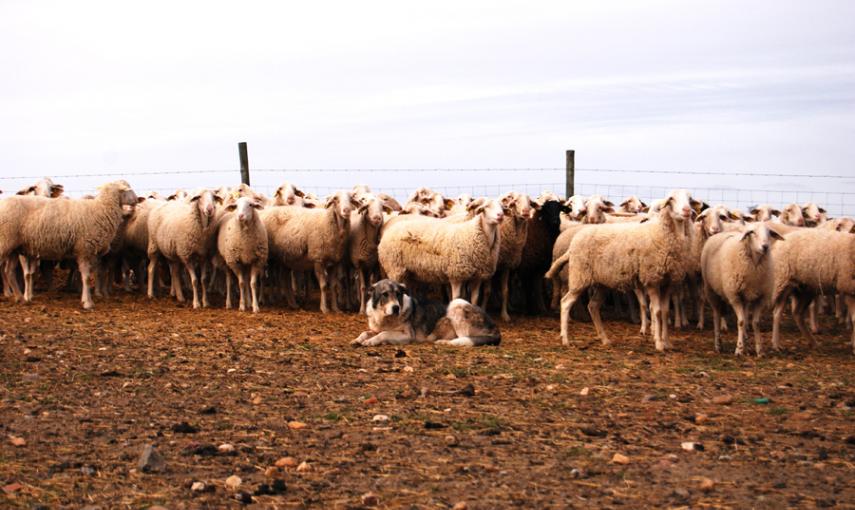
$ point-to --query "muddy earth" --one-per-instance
(277, 410)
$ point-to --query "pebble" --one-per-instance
(17, 441)
(150, 461)
(226, 448)
(303, 467)
(370, 499)
(286, 462)
(408, 369)
(701, 418)
(551, 387)
(584, 391)
(451, 440)
(706, 484)
(461, 505)
(370, 400)
(233, 482)
(620, 459)
(157, 507)
(256, 401)
(380, 418)
(723, 399)
(198, 487)
(296, 425)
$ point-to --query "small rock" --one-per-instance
(150, 460)
(722, 399)
(701, 418)
(257, 401)
(551, 387)
(370, 401)
(12, 487)
(432, 425)
(303, 467)
(467, 391)
(157, 507)
(286, 462)
(296, 425)
(233, 482)
(17, 441)
(461, 505)
(451, 440)
(681, 493)
(226, 448)
(576, 473)
(706, 484)
(370, 499)
(198, 487)
(620, 459)
(380, 418)
(408, 369)
(688, 446)
(593, 432)
(584, 391)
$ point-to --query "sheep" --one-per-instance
(632, 205)
(513, 234)
(180, 231)
(304, 239)
(434, 201)
(813, 214)
(737, 269)
(792, 215)
(242, 243)
(366, 223)
(844, 224)
(41, 227)
(629, 256)
(389, 202)
(764, 212)
(812, 262)
(432, 250)
(44, 187)
(710, 222)
(288, 194)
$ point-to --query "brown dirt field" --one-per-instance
(495, 427)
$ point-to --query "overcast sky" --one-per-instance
(764, 86)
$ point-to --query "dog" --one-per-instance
(396, 317)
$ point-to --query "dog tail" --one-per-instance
(475, 341)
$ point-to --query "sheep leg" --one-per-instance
(194, 281)
(456, 290)
(86, 278)
(555, 303)
(321, 274)
(739, 310)
(656, 317)
(28, 266)
(361, 277)
(228, 275)
(204, 271)
(778, 312)
(241, 288)
(567, 302)
(594, 303)
(665, 333)
(175, 277)
(755, 325)
(802, 304)
(254, 272)
(475, 290)
(152, 267)
(504, 282)
(486, 290)
(642, 309)
(11, 280)
(684, 314)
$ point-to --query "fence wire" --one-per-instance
(743, 189)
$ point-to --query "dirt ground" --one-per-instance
(529, 424)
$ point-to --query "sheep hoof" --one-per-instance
(739, 352)
(505, 318)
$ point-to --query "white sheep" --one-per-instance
(813, 214)
(812, 261)
(432, 250)
(518, 210)
(737, 269)
(44, 187)
(632, 205)
(288, 194)
(180, 230)
(764, 212)
(303, 239)
(82, 229)
(792, 215)
(366, 223)
(242, 243)
(629, 256)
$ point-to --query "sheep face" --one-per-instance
(205, 201)
(759, 239)
(813, 214)
(372, 208)
(633, 205)
(764, 212)
(596, 208)
(244, 208)
(288, 194)
(516, 204)
(792, 215)
(712, 219)
(343, 202)
(845, 225)
(683, 205)
(576, 203)
(490, 210)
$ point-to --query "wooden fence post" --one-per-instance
(570, 175)
(244, 163)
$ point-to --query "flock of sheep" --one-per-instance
(657, 264)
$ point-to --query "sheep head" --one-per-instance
(759, 239)
(288, 194)
(244, 208)
(490, 210)
(372, 209)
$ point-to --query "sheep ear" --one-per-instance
(256, 205)
(26, 191)
(231, 207)
(534, 204)
(218, 199)
(624, 203)
(775, 235)
(821, 210)
(475, 204)
(753, 210)
(299, 193)
(610, 209)
(449, 203)
(775, 212)
(747, 233)
(195, 198)
(331, 201)
(702, 216)
(565, 209)
(56, 190)
(608, 203)
(362, 208)
(140, 200)
(172, 196)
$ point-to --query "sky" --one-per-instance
(724, 87)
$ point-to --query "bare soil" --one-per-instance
(530, 424)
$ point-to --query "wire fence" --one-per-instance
(834, 192)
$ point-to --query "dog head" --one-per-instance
(389, 298)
